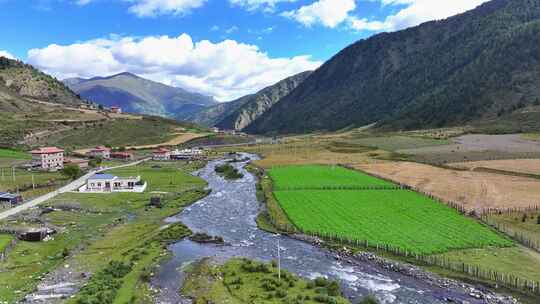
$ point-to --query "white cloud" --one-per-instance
(151, 8)
(226, 70)
(329, 13)
(415, 12)
(232, 29)
(266, 5)
(6, 54)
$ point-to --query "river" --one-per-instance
(230, 211)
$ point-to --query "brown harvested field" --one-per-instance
(180, 138)
(312, 151)
(473, 190)
(527, 166)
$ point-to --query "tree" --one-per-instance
(369, 300)
(71, 171)
(95, 162)
(524, 218)
(538, 220)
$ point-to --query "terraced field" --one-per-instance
(393, 219)
(318, 177)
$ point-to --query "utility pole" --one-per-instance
(33, 182)
(279, 261)
(2, 169)
(13, 173)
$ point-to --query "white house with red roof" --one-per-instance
(100, 151)
(161, 154)
(116, 109)
(48, 158)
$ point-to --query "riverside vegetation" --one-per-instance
(245, 281)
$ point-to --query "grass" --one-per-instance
(5, 240)
(45, 182)
(502, 260)
(116, 133)
(394, 143)
(532, 136)
(245, 281)
(524, 224)
(306, 177)
(13, 154)
(114, 227)
(228, 172)
(401, 219)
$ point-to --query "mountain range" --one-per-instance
(476, 66)
(139, 95)
(240, 113)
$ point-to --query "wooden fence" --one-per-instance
(475, 271)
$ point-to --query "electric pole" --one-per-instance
(279, 260)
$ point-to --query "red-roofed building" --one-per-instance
(100, 151)
(161, 154)
(48, 158)
(116, 109)
(122, 155)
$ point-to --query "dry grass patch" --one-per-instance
(527, 166)
(473, 190)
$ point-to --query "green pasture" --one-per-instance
(396, 218)
(318, 177)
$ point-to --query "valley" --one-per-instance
(264, 163)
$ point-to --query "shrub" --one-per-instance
(369, 300)
(334, 289)
(321, 282)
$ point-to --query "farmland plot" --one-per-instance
(397, 218)
(320, 177)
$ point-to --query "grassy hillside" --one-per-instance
(478, 65)
(26, 81)
(119, 132)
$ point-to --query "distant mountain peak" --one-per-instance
(140, 95)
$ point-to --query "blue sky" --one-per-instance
(224, 48)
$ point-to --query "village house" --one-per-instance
(106, 183)
(100, 152)
(48, 158)
(161, 154)
(193, 153)
(116, 109)
(122, 155)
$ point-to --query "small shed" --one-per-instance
(35, 235)
(6, 197)
(155, 201)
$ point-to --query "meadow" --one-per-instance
(398, 218)
(318, 177)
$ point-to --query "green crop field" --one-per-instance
(318, 177)
(7, 153)
(398, 218)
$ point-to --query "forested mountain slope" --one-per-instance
(470, 67)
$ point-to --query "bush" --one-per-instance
(334, 289)
(369, 300)
(228, 171)
(321, 282)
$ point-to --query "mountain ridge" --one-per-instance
(469, 67)
(140, 95)
(241, 112)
